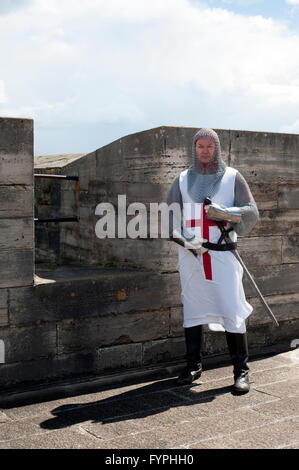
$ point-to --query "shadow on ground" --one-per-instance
(138, 403)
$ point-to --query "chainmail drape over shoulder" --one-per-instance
(203, 179)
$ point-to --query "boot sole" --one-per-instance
(239, 391)
(188, 381)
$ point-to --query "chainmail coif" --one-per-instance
(203, 179)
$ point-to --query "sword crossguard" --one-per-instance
(207, 201)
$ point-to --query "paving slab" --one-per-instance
(287, 406)
(16, 429)
(283, 388)
(3, 417)
(60, 439)
(278, 373)
(270, 436)
(191, 430)
(160, 414)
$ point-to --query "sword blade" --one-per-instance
(252, 282)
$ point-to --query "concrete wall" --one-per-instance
(143, 166)
(90, 318)
(49, 197)
(16, 203)
(16, 214)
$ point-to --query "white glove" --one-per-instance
(193, 243)
(196, 244)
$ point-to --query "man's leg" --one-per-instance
(238, 348)
(193, 338)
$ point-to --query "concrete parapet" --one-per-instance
(78, 320)
(16, 203)
(105, 305)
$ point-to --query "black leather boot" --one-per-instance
(193, 338)
(238, 348)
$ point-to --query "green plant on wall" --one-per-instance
(38, 199)
(110, 264)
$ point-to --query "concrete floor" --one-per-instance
(162, 415)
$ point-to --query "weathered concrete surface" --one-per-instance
(265, 156)
(78, 320)
(16, 203)
(142, 166)
(3, 307)
(159, 414)
(99, 306)
(49, 202)
(16, 151)
(117, 305)
(57, 160)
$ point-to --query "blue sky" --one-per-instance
(280, 10)
(91, 72)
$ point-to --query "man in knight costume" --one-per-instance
(217, 206)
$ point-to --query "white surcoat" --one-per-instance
(212, 288)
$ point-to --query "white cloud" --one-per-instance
(47, 110)
(292, 128)
(292, 2)
(68, 62)
(241, 2)
(3, 97)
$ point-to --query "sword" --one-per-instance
(208, 201)
(179, 240)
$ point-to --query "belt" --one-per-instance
(224, 236)
(218, 247)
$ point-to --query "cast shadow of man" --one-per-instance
(137, 403)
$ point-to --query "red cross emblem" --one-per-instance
(205, 225)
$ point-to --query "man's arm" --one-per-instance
(174, 195)
(246, 203)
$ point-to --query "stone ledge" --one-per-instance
(62, 294)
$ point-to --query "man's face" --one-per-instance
(205, 150)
